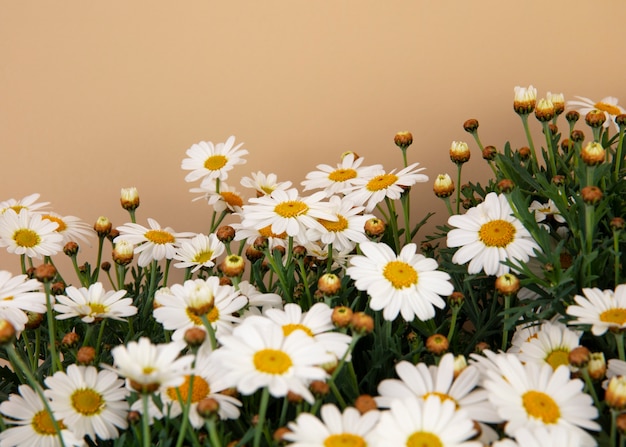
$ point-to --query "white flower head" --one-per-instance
(264, 184)
(608, 105)
(602, 309)
(209, 162)
(19, 294)
(227, 199)
(73, 229)
(27, 233)
(551, 344)
(198, 252)
(29, 202)
(93, 304)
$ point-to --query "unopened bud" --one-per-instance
(34, 320)
(437, 344)
(71, 248)
(470, 125)
(123, 252)
(341, 316)
(362, 323)
(597, 366)
(525, 100)
(577, 136)
(85, 355)
(403, 139)
(70, 340)
(524, 153)
(444, 186)
(579, 356)
(329, 284)
(558, 180)
(299, 251)
(621, 120)
(252, 254)
(566, 145)
(45, 272)
(106, 266)
(279, 434)
(591, 195)
(617, 223)
(489, 153)
(544, 110)
(194, 336)
(456, 299)
(7, 332)
(595, 118)
(365, 403)
(593, 154)
(505, 185)
(459, 152)
(233, 265)
(459, 365)
(102, 226)
(319, 388)
(57, 288)
(207, 407)
(225, 233)
(129, 198)
(558, 101)
(615, 395)
(375, 227)
(572, 116)
(507, 284)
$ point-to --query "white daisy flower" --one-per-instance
(259, 299)
(423, 380)
(489, 234)
(380, 184)
(207, 383)
(320, 253)
(250, 235)
(227, 199)
(147, 367)
(346, 231)
(530, 395)
(286, 211)
(545, 436)
(408, 283)
(615, 367)
(602, 309)
(93, 304)
(90, 402)
(413, 421)
(339, 179)
(27, 233)
(544, 210)
(316, 323)
(263, 184)
(29, 424)
(209, 162)
(524, 332)
(552, 345)
(608, 105)
(349, 428)
(73, 229)
(28, 202)
(17, 295)
(198, 252)
(154, 243)
(259, 355)
(184, 306)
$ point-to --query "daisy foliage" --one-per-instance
(340, 313)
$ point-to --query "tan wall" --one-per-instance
(96, 96)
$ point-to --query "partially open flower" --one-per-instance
(129, 198)
(459, 152)
(593, 154)
(545, 110)
(444, 186)
(525, 100)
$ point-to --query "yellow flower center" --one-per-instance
(159, 237)
(16, 208)
(616, 316)
(497, 233)
(400, 274)
(215, 162)
(42, 424)
(608, 108)
(442, 397)
(267, 232)
(381, 182)
(61, 225)
(289, 328)
(195, 314)
(557, 358)
(199, 390)
(541, 406)
(341, 175)
(272, 361)
(148, 370)
(203, 256)
(344, 440)
(87, 401)
(25, 237)
(97, 308)
(232, 199)
(338, 226)
(291, 208)
(423, 439)
(8, 298)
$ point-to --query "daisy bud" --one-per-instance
(489, 153)
(558, 101)
(617, 223)
(279, 433)
(620, 423)
(362, 323)
(595, 118)
(505, 185)
(341, 316)
(299, 252)
(593, 154)
(71, 249)
(34, 320)
(252, 254)
(524, 153)
(467, 204)
(144, 388)
(85, 355)
(459, 365)
(70, 340)
(329, 284)
(507, 284)
(133, 417)
(45, 272)
(553, 129)
(123, 252)
(194, 336)
(615, 395)
(558, 180)
(207, 407)
(57, 288)
(524, 100)
(113, 234)
(7, 332)
(481, 346)
(232, 265)
(572, 116)
(294, 398)
(129, 198)
(577, 136)
(102, 226)
(280, 249)
(375, 227)
(579, 356)
(319, 388)
(365, 403)
(225, 233)
(544, 111)
(225, 281)
(597, 366)
(437, 344)
(456, 299)
(566, 145)
(470, 125)
(403, 139)
(106, 266)
(591, 195)
(566, 260)
(444, 186)
(459, 152)
(621, 120)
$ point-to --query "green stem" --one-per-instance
(212, 429)
(393, 222)
(209, 328)
(505, 331)
(616, 257)
(99, 259)
(447, 201)
(531, 145)
(167, 271)
(258, 430)
(618, 153)
(455, 313)
(145, 420)
(459, 166)
(619, 339)
(55, 361)
(551, 153)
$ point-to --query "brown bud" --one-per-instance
(572, 116)
(489, 153)
(481, 346)
(294, 398)
(252, 254)
(621, 120)
(558, 180)
(207, 407)
(577, 136)
(593, 154)
(299, 251)
(106, 266)
(57, 288)
(620, 423)
(225, 233)
(342, 316)
(70, 340)
(71, 249)
(579, 356)
(113, 234)
(365, 403)
(85, 355)
(524, 152)
(225, 281)
(617, 223)
(566, 260)
(319, 388)
(45, 272)
(456, 299)
(133, 417)
(279, 433)
(375, 227)
(437, 344)
(505, 185)
(194, 336)
(143, 388)
(595, 118)
(7, 332)
(329, 284)
(553, 129)
(280, 249)
(470, 125)
(260, 243)
(443, 186)
(591, 195)
(403, 139)
(459, 152)
(362, 323)
(34, 320)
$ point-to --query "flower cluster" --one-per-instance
(316, 316)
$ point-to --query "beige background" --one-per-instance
(96, 96)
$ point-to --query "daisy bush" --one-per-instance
(318, 312)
